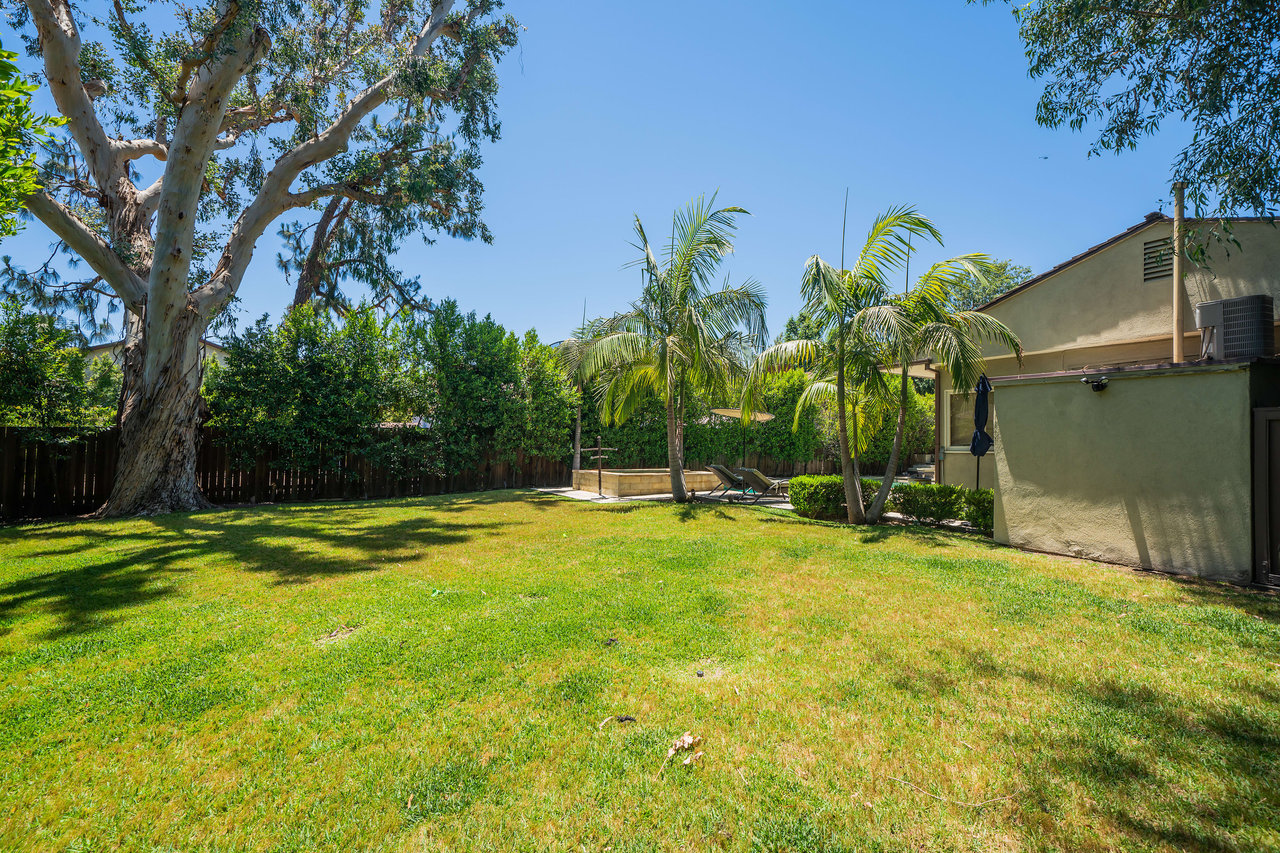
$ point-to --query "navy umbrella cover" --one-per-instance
(981, 442)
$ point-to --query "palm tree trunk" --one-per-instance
(577, 436)
(674, 454)
(852, 485)
(882, 496)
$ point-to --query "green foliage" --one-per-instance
(980, 509)
(414, 396)
(463, 373)
(927, 502)
(971, 292)
(44, 384)
(818, 496)
(684, 337)
(540, 413)
(822, 495)
(917, 434)
(312, 387)
(1129, 67)
(641, 440)
(803, 326)
(21, 133)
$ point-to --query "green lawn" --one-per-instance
(432, 674)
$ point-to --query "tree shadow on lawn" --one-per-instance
(1161, 768)
(294, 546)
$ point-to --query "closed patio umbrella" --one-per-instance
(981, 441)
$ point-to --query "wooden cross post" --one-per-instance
(601, 453)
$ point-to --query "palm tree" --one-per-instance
(866, 398)
(681, 337)
(572, 355)
(923, 323)
(845, 362)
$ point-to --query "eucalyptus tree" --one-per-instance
(423, 188)
(1209, 67)
(238, 111)
(924, 323)
(683, 336)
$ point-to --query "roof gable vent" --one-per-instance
(1157, 259)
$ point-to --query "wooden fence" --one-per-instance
(40, 480)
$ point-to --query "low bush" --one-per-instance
(980, 509)
(928, 502)
(818, 496)
(822, 495)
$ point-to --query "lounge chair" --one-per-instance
(762, 485)
(728, 480)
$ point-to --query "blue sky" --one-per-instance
(610, 110)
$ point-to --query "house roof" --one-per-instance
(1149, 220)
(1153, 218)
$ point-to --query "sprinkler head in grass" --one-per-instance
(699, 673)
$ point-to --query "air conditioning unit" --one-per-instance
(1243, 327)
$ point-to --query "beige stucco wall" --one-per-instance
(1102, 300)
(1152, 472)
(640, 481)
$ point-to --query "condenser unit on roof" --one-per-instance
(1243, 327)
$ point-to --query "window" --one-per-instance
(960, 420)
(959, 416)
(1157, 259)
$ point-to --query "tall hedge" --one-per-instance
(641, 440)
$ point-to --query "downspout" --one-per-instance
(1179, 212)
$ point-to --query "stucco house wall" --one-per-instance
(1152, 472)
(1155, 471)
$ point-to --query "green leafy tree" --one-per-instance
(681, 337)
(22, 131)
(572, 356)
(540, 412)
(463, 374)
(314, 388)
(424, 186)
(1130, 67)
(44, 383)
(971, 292)
(238, 113)
(801, 327)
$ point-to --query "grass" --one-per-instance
(432, 674)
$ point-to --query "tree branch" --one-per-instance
(274, 197)
(195, 134)
(85, 242)
(133, 149)
(60, 47)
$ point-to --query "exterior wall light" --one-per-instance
(1099, 384)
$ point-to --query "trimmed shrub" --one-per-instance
(818, 496)
(928, 502)
(822, 495)
(869, 489)
(980, 509)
